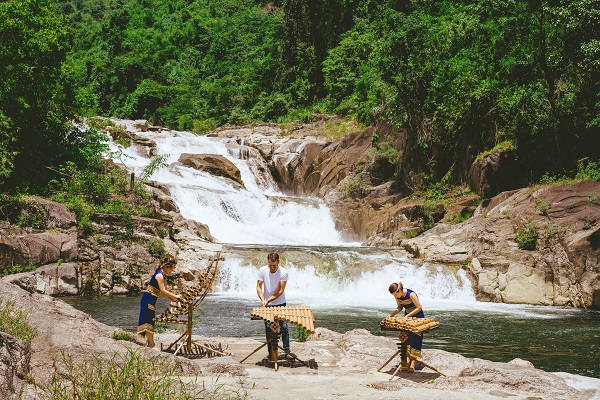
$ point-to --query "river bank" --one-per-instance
(347, 363)
(496, 332)
(347, 368)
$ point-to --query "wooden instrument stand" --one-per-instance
(274, 341)
(298, 315)
(184, 345)
(405, 326)
(402, 345)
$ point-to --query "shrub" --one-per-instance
(356, 187)
(300, 333)
(22, 212)
(156, 248)
(15, 322)
(541, 206)
(411, 233)
(203, 126)
(527, 236)
(124, 141)
(553, 234)
(587, 222)
(93, 190)
(588, 170)
(122, 335)
(160, 327)
(127, 376)
(16, 269)
(461, 216)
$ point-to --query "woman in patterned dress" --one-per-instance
(156, 286)
(407, 299)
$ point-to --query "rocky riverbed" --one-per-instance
(347, 363)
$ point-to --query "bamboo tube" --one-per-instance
(304, 319)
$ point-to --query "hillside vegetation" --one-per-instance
(455, 78)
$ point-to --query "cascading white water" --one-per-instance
(310, 285)
(259, 214)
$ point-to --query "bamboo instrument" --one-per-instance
(191, 296)
(297, 315)
(415, 325)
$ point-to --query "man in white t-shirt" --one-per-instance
(270, 288)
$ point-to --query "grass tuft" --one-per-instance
(128, 376)
(14, 321)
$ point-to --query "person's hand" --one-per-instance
(177, 297)
(264, 303)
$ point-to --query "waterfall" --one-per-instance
(259, 214)
(340, 274)
(336, 281)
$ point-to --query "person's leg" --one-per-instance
(150, 338)
(285, 336)
(415, 344)
(268, 336)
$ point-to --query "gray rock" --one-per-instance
(223, 365)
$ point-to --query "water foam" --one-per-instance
(256, 214)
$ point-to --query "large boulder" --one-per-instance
(58, 216)
(495, 173)
(52, 279)
(360, 350)
(563, 268)
(213, 164)
(61, 327)
(14, 367)
(26, 247)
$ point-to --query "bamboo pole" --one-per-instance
(210, 349)
(257, 349)
(388, 361)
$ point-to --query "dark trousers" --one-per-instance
(285, 334)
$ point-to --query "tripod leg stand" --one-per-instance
(257, 349)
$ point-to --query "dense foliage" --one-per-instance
(455, 78)
(36, 107)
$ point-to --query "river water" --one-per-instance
(553, 339)
(345, 284)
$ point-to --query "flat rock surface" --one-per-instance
(338, 378)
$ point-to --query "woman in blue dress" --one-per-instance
(407, 299)
(156, 286)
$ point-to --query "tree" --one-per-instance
(36, 107)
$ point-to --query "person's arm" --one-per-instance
(397, 310)
(163, 288)
(277, 294)
(260, 292)
(417, 304)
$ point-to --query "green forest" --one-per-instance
(455, 77)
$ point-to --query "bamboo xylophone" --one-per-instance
(190, 297)
(297, 315)
(414, 325)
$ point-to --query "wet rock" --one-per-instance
(213, 164)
